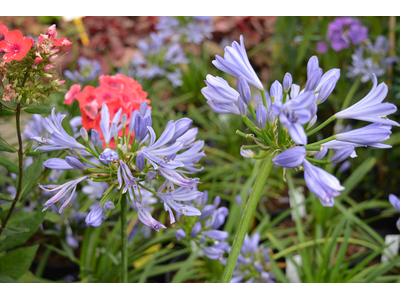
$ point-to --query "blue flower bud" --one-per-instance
(207, 211)
(73, 162)
(242, 107)
(108, 156)
(326, 90)
(95, 217)
(313, 81)
(124, 120)
(84, 134)
(238, 200)
(95, 137)
(321, 154)
(195, 230)
(261, 115)
(291, 158)
(109, 205)
(150, 175)
(140, 164)
(395, 201)
(345, 166)
(216, 234)
(244, 90)
(287, 82)
(143, 108)
(217, 201)
(341, 154)
(180, 234)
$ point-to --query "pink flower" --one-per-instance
(38, 60)
(62, 42)
(48, 67)
(52, 32)
(71, 94)
(15, 45)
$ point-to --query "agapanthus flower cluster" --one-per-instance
(372, 59)
(344, 31)
(118, 92)
(88, 71)
(139, 156)
(204, 231)
(21, 52)
(189, 29)
(253, 264)
(283, 121)
(395, 201)
(159, 57)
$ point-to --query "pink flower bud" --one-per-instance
(48, 67)
(54, 51)
(52, 32)
(38, 60)
(34, 66)
(53, 57)
(33, 42)
(61, 82)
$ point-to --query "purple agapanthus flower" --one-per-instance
(372, 60)
(371, 108)
(291, 158)
(88, 71)
(105, 127)
(372, 135)
(344, 31)
(324, 185)
(64, 191)
(395, 201)
(146, 218)
(59, 138)
(236, 63)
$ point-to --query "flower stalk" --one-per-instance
(124, 241)
(247, 216)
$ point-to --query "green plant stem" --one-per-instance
(349, 96)
(249, 136)
(264, 98)
(317, 161)
(251, 127)
(253, 113)
(124, 242)
(322, 141)
(321, 126)
(247, 216)
(20, 164)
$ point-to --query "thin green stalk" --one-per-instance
(248, 136)
(124, 242)
(247, 216)
(251, 127)
(321, 126)
(253, 113)
(322, 141)
(264, 98)
(267, 139)
(349, 96)
(317, 161)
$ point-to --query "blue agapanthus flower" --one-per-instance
(88, 71)
(159, 57)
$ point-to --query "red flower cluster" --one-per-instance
(14, 44)
(115, 91)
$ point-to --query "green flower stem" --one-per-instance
(248, 136)
(267, 139)
(322, 141)
(84, 159)
(251, 147)
(349, 96)
(153, 192)
(247, 216)
(317, 161)
(315, 148)
(124, 243)
(264, 98)
(251, 127)
(253, 113)
(321, 126)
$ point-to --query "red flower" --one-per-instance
(62, 42)
(3, 29)
(71, 94)
(15, 45)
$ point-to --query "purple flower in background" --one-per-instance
(322, 47)
(180, 234)
(33, 127)
(88, 70)
(64, 192)
(158, 58)
(395, 201)
(236, 63)
(372, 60)
(323, 185)
(191, 29)
(344, 31)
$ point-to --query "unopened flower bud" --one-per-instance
(38, 60)
(261, 115)
(75, 163)
(180, 234)
(287, 82)
(242, 107)
(53, 58)
(108, 156)
(124, 149)
(244, 90)
(52, 32)
(109, 205)
(124, 119)
(48, 67)
(84, 134)
(54, 51)
(195, 230)
(290, 158)
(143, 108)
(341, 154)
(246, 153)
(34, 66)
(61, 82)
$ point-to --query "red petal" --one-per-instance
(3, 45)
(13, 37)
(8, 57)
(3, 29)
(26, 45)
